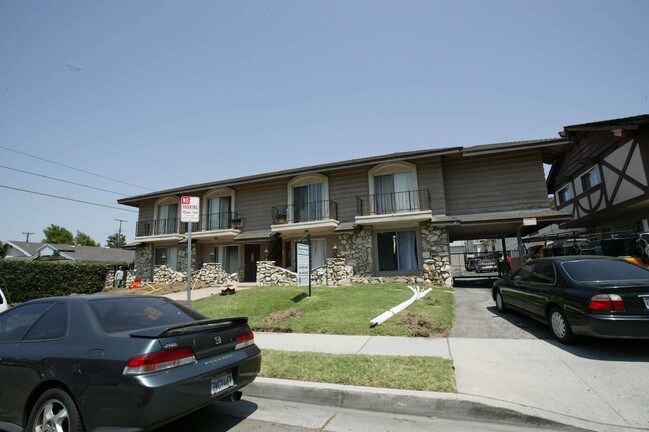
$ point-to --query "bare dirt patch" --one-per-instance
(419, 325)
(154, 288)
(273, 322)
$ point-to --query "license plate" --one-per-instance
(221, 382)
(646, 302)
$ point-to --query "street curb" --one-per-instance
(420, 403)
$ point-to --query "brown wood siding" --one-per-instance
(492, 183)
(255, 203)
(344, 187)
(430, 176)
(147, 210)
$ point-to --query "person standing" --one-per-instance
(119, 278)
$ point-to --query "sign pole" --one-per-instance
(189, 213)
(189, 264)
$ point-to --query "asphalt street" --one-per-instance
(268, 415)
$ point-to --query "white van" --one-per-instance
(4, 305)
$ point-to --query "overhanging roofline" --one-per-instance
(468, 151)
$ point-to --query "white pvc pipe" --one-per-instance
(417, 294)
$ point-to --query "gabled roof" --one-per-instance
(77, 253)
(626, 123)
(548, 147)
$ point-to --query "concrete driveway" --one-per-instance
(477, 316)
(513, 358)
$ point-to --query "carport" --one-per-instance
(499, 226)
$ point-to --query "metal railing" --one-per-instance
(394, 202)
(307, 212)
(220, 221)
(208, 222)
(157, 227)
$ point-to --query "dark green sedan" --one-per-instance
(116, 363)
(580, 295)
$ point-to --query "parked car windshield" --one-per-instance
(123, 314)
(604, 270)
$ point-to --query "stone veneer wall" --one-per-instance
(182, 256)
(358, 250)
(436, 254)
(143, 262)
(210, 274)
(335, 273)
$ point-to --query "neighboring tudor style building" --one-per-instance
(385, 216)
(602, 177)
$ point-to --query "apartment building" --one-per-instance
(388, 216)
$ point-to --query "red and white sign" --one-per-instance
(189, 209)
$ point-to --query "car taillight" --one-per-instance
(158, 361)
(245, 340)
(606, 302)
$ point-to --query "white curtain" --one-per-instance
(318, 252)
(403, 187)
(407, 250)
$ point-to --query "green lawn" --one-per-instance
(412, 373)
(337, 310)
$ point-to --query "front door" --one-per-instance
(252, 255)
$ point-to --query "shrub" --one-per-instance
(26, 280)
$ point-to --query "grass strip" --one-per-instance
(337, 310)
(398, 372)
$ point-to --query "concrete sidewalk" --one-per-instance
(524, 381)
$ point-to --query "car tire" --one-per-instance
(500, 302)
(560, 326)
(56, 411)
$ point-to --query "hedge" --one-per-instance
(27, 280)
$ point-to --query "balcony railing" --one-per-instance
(394, 202)
(220, 221)
(157, 227)
(208, 222)
(307, 212)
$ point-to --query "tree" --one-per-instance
(116, 240)
(83, 239)
(57, 235)
(2, 249)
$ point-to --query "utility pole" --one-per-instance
(27, 235)
(119, 234)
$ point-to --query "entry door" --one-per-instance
(252, 255)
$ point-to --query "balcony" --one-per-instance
(227, 224)
(316, 215)
(394, 207)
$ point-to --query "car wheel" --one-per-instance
(500, 303)
(55, 411)
(560, 327)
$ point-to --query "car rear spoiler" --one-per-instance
(188, 327)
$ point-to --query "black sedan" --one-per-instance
(580, 295)
(118, 363)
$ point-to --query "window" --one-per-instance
(308, 202)
(318, 252)
(543, 273)
(228, 256)
(397, 251)
(308, 198)
(167, 219)
(564, 195)
(219, 214)
(166, 256)
(52, 325)
(589, 179)
(16, 322)
(393, 188)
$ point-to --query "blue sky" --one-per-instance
(149, 95)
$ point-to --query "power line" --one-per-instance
(76, 169)
(61, 180)
(68, 199)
